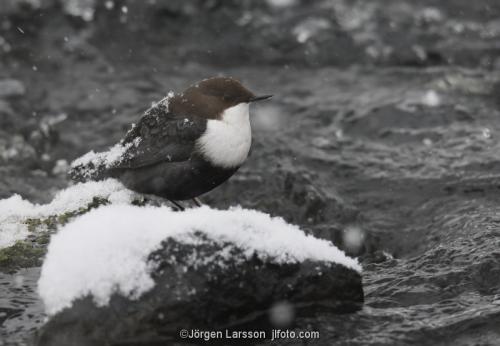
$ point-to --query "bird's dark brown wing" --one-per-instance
(160, 136)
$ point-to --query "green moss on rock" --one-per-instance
(21, 254)
(53, 221)
(29, 252)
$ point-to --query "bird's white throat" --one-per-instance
(226, 142)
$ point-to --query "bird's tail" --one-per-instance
(89, 167)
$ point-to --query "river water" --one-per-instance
(405, 155)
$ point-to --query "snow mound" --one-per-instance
(15, 210)
(106, 250)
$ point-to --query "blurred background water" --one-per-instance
(382, 136)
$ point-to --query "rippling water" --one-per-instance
(21, 311)
(429, 211)
(407, 156)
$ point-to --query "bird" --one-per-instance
(183, 146)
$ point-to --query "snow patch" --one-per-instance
(165, 102)
(15, 210)
(92, 161)
(106, 250)
(106, 158)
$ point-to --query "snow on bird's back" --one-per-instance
(92, 160)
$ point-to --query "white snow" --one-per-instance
(107, 249)
(15, 210)
(164, 101)
(92, 161)
(107, 158)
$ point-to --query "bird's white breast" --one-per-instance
(226, 142)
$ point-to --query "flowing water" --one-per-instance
(405, 155)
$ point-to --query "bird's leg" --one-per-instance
(177, 204)
(197, 201)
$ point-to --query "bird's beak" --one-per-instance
(260, 98)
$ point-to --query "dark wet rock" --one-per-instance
(352, 239)
(290, 194)
(226, 292)
(23, 254)
(29, 252)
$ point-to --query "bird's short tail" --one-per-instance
(98, 166)
(90, 166)
(83, 173)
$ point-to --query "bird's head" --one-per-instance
(211, 98)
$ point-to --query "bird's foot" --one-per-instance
(179, 206)
(197, 201)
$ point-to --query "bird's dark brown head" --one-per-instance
(209, 98)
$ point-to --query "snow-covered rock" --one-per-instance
(15, 211)
(128, 272)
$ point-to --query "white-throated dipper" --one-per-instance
(183, 146)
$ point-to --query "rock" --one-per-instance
(30, 251)
(25, 227)
(22, 254)
(352, 239)
(152, 271)
(224, 292)
(294, 195)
